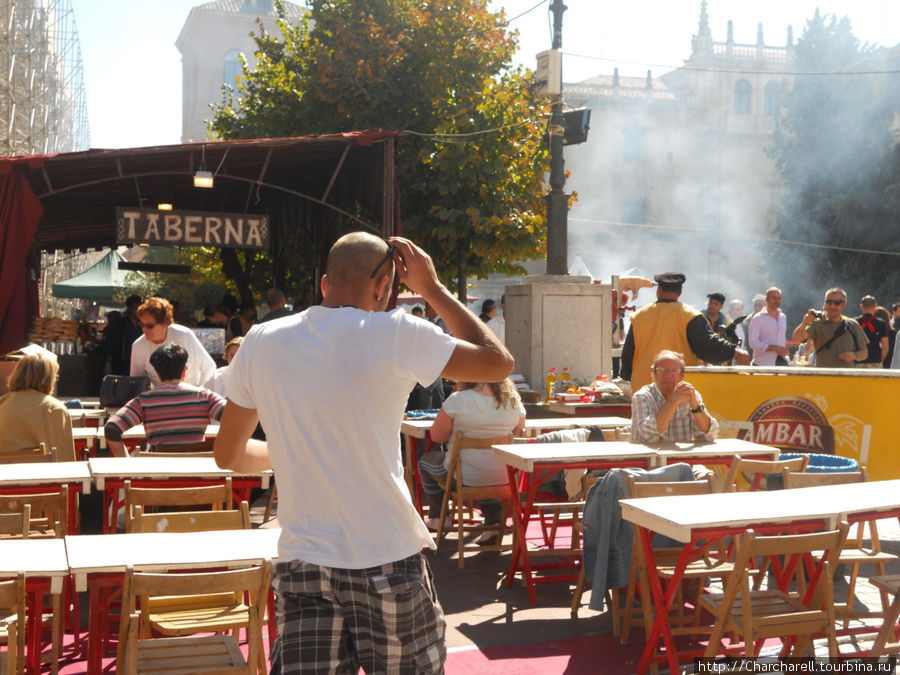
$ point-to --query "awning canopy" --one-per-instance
(79, 191)
(98, 282)
(324, 185)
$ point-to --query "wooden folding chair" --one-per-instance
(16, 525)
(12, 623)
(713, 564)
(214, 496)
(754, 470)
(153, 453)
(191, 521)
(205, 446)
(139, 652)
(462, 495)
(756, 615)
(853, 553)
(29, 455)
(886, 641)
(45, 515)
(48, 511)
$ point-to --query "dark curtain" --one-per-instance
(20, 212)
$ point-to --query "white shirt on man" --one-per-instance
(766, 330)
(200, 364)
(330, 386)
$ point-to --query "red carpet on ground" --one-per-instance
(573, 656)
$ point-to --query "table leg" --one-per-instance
(33, 640)
(521, 516)
(413, 482)
(662, 600)
(94, 638)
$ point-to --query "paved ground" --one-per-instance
(483, 612)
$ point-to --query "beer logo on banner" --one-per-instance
(793, 424)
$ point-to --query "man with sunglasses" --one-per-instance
(670, 409)
(839, 341)
(329, 385)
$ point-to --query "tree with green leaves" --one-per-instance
(834, 152)
(471, 160)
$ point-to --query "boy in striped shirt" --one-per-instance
(173, 412)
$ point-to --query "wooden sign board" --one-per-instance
(191, 228)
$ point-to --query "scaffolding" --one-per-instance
(43, 106)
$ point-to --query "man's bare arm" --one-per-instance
(234, 449)
(479, 356)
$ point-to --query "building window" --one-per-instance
(232, 66)
(632, 144)
(773, 99)
(634, 211)
(742, 97)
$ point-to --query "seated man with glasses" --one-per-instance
(839, 341)
(670, 409)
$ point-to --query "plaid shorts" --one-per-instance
(383, 619)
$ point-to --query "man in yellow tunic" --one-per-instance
(670, 324)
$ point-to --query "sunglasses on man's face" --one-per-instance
(834, 302)
(388, 255)
(148, 326)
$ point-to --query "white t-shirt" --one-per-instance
(218, 382)
(200, 364)
(477, 415)
(498, 325)
(330, 386)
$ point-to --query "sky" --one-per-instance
(133, 69)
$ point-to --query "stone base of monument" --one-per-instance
(558, 321)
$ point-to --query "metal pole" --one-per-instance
(557, 200)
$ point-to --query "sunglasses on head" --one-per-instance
(388, 255)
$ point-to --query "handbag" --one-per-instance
(117, 390)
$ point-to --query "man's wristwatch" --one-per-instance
(700, 408)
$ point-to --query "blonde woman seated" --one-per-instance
(479, 410)
(29, 415)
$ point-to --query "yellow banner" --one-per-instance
(853, 415)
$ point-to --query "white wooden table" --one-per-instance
(46, 566)
(591, 408)
(88, 440)
(704, 518)
(87, 416)
(719, 451)
(99, 561)
(542, 461)
(76, 475)
(419, 429)
(110, 474)
(29, 477)
(137, 435)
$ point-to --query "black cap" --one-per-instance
(717, 296)
(669, 279)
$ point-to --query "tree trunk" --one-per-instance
(461, 291)
(232, 268)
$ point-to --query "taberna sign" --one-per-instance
(191, 228)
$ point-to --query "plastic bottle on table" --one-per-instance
(564, 379)
(551, 383)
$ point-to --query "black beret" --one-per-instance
(669, 279)
(717, 296)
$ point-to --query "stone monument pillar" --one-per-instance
(558, 321)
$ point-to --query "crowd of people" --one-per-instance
(824, 337)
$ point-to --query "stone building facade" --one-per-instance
(211, 42)
(675, 173)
